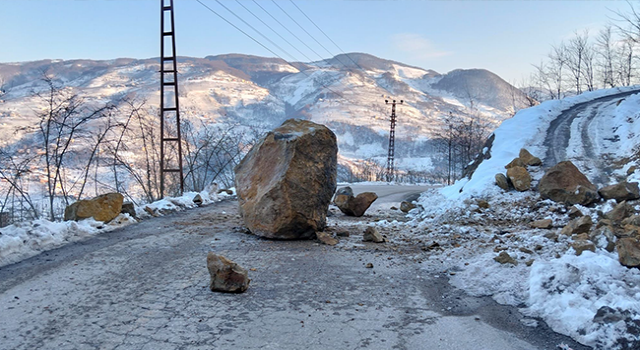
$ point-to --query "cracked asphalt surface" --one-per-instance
(145, 287)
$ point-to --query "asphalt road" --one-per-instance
(145, 287)
(390, 195)
(559, 134)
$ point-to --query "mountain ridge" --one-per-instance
(263, 91)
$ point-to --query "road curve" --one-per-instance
(559, 133)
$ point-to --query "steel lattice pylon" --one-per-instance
(392, 142)
(169, 80)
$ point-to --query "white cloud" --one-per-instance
(417, 46)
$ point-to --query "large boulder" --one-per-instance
(226, 276)
(354, 206)
(102, 208)
(285, 183)
(520, 178)
(622, 191)
(565, 183)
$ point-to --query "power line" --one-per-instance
(236, 27)
(290, 32)
(257, 31)
(325, 34)
(273, 30)
(265, 47)
(309, 34)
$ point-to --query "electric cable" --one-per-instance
(325, 34)
(265, 47)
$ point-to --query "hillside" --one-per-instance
(263, 92)
(522, 247)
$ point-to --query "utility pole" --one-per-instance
(169, 106)
(392, 141)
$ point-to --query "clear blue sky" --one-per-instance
(505, 37)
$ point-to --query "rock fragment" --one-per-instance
(515, 162)
(483, 204)
(406, 207)
(520, 178)
(528, 159)
(502, 181)
(226, 276)
(326, 238)
(628, 251)
(544, 224)
(371, 234)
(619, 212)
(198, 200)
(129, 208)
(632, 220)
(622, 191)
(505, 258)
(577, 226)
(574, 212)
(581, 245)
(354, 206)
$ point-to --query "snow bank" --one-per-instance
(526, 130)
(26, 239)
(590, 297)
(568, 292)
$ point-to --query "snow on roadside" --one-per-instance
(27, 239)
(590, 297)
(524, 130)
(570, 293)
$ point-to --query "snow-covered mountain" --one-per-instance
(346, 93)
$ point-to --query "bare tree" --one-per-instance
(577, 51)
(135, 151)
(61, 123)
(447, 140)
(14, 170)
(541, 79)
(556, 69)
(628, 26)
(607, 56)
(625, 66)
(628, 23)
(588, 68)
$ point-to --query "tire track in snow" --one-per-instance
(559, 134)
